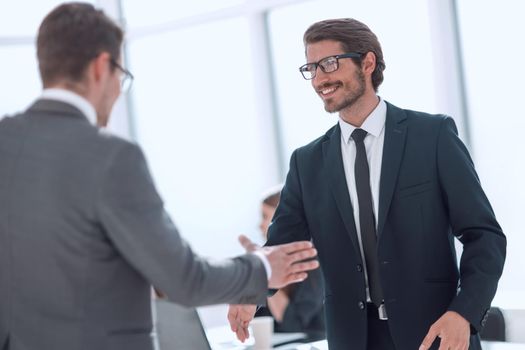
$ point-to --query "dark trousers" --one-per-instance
(379, 337)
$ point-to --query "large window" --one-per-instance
(492, 41)
(154, 12)
(22, 18)
(194, 99)
(19, 79)
(20, 83)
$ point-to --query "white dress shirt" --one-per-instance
(74, 99)
(374, 125)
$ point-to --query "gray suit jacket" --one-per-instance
(83, 235)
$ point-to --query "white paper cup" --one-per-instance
(262, 331)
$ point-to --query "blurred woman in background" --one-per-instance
(297, 307)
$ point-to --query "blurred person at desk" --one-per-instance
(297, 307)
(83, 231)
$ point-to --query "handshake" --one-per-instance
(289, 263)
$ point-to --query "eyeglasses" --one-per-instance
(328, 65)
(126, 78)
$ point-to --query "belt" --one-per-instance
(377, 312)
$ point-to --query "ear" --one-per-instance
(368, 64)
(100, 66)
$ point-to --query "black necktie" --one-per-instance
(366, 217)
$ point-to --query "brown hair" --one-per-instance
(354, 36)
(272, 196)
(70, 37)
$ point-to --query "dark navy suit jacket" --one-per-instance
(429, 193)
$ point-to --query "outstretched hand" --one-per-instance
(286, 260)
(239, 317)
(247, 244)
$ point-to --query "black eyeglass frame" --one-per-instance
(127, 74)
(314, 65)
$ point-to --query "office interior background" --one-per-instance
(218, 103)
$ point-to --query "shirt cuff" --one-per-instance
(265, 262)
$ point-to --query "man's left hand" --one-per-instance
(452, 329)
(247, 244)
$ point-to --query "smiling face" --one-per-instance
(342, 88)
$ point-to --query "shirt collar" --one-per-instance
(373, 124)
(73, 99)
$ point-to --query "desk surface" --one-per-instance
(322, 345)
(222, 338)
(490, 345)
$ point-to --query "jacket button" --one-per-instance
(361, 305)
(359, 267)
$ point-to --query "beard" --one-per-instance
(352, 94)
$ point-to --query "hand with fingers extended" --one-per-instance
(239, 317)
(452, 329)
(287, 261)
(247, 244)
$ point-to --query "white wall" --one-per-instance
(494, 48)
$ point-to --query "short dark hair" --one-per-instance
(354, 36)
(70, 36)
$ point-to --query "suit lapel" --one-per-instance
(394, 145)
(334, 171)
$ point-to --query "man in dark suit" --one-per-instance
(382, 195)
(83, 232)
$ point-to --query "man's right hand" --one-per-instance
(239, 317)
(286, 261)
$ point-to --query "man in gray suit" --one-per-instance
(83, 233)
